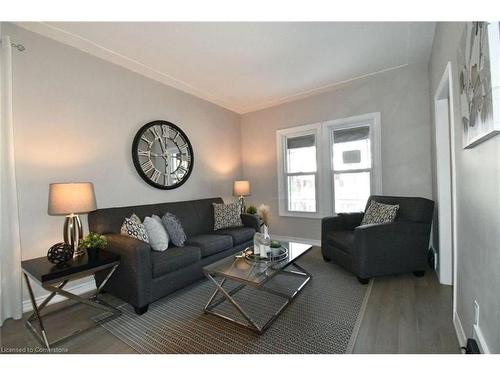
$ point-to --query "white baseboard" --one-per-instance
(77, 289)
(462, 338)
(308, 241)
(481, 341)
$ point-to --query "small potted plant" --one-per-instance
(93, 242)
(252, 210)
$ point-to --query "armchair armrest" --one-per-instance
(251, 221)
(399, 246)
(342, 221)
(132, 279)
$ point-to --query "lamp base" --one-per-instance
(242, 204)
(73, 234)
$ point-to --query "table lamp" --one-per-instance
(241, 189)
(71, 199)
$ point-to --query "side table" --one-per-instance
(53, 278)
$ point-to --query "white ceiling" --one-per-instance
(249, 66)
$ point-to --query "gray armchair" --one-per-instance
(380, 249)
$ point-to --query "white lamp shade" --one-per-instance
(241, 188)
(71, 198)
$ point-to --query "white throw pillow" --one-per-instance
(158, 236)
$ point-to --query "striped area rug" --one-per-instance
(324, 318)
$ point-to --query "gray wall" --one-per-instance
(75, 118)
(402, 97)
(478, 205)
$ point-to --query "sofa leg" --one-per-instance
(362, 280)
(141, 310)
(419, 273)
(325, 258)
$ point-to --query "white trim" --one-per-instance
(447, 270)
(77, 289)
(481, 341)
(281, 136)
(324, 188)
(373, 121)
(459, 330)
(308, 241)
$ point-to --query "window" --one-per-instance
(351, 168)
(329, 167)
(301, 173)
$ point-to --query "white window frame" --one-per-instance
(372, 120)
(323, 132)
(281, 147)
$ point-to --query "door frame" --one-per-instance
(447, 178)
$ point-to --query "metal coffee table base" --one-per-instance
(251, 324)
(93, 301)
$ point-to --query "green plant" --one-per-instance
(275, 244)
(94, 241)
(251, 210)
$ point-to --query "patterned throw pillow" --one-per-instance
(174, 229)
(227, 215)
(133, 227)
(378, 213)
(158, 236)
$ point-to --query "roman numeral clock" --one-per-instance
(162, 155)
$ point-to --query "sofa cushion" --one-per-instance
(210, 243)
(173, 259)
(239, 235)
(158, 236)
(342, 239)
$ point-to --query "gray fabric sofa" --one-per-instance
(143, 275)
(380, 249)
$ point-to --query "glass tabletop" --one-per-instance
(238, 268)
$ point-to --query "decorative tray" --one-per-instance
(249, 256)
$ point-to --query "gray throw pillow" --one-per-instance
(174, 229)
(379, 213)
(227, 215)
(158, 236)
(132, 227)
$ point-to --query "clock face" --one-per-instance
(162, 155)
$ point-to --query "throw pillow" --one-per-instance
(227, 215)
(158, 236)
(174, 229)
(378, 213)
(133, 227)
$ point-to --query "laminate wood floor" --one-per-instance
(405, 314)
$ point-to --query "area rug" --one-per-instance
(324, 318)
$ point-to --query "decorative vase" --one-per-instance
(257, 237)
(265, 248)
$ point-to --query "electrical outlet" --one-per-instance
(476, 313)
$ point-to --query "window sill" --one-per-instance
(303, 215)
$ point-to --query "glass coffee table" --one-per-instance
(256, 275)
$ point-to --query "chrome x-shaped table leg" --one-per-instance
(94, 301)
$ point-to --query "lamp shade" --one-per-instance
(241, 188)
(71, 198)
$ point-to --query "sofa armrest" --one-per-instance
(251, 221)
(390, 247)
(132, 279)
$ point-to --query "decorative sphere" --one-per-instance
(60, 253)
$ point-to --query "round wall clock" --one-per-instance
(162, 155)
